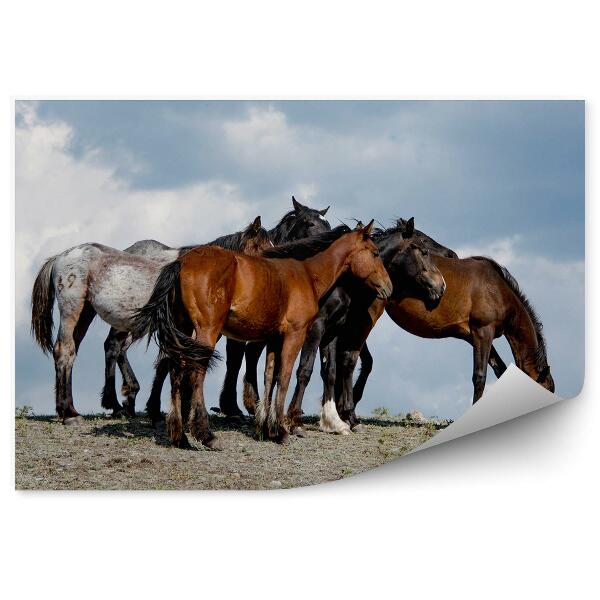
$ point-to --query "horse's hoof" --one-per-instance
(74, 421)
(299, 431)
(359, 428)
(345, 431)
(213, 444)
(282, 438)
(234, 420)
(183, 443)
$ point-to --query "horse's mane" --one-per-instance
(307, 247)
(233, 241)
(541, 359)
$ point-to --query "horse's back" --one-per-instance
(153, 250)
(116, 283)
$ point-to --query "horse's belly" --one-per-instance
(413, 316)
(248, 328)
(118, 296)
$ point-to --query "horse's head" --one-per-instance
(300, 223)
(545, 379)
(255, 238)
(412, 268)
(364, 262)
(429, 243)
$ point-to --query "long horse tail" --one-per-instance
(42, 303)
(156, 320)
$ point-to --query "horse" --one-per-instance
(482, 302)
(250, 240)
(299, 223)
(210, 291)
(86, 280)
(351, 310)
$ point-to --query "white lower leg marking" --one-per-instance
(260, 414)
(330, 421)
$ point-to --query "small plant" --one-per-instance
(381, 411)
(22, 412)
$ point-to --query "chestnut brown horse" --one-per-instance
(210, 291)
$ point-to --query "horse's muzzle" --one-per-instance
(384, 291)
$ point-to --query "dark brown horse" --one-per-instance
(483, 301)
(210, 291)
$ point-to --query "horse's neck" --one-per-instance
(325, 268)
(523, 339)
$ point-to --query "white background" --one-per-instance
(511, 512)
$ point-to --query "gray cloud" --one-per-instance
(503, 178)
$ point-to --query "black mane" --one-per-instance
(541, 359)
(379, 235)
(307, 247)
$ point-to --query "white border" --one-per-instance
(512, 512)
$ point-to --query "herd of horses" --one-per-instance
(300, 287)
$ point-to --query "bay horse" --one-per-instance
(210, 291)
(86, 280)
(352, 310)
(250, 240)
(482, 301)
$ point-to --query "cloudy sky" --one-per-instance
(504, 179)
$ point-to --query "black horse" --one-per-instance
(346, 319)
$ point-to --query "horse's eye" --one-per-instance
(376, 254)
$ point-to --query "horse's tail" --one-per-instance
(42, 303)
(156, 320)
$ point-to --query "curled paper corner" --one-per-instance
(513, 395)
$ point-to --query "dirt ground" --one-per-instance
(128, 454)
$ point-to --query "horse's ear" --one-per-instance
(359, 225)
(401, 222)
(256, 224)
(409, 228)
(368, 229)
(324, 211)
(297, 205)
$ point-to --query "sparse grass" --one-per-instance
(381, 411)
(22, 412)
(105, 453)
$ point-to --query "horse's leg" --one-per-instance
(303, 374)
(71, 333)
(160, 374)
(262, 407)
(252, 354)
(198, 420)
(228, 397)
(481, 339)
(366, 366)
(329, 420)
(291, 345)
(347, 360)
(130, 386)
(112, 347)
(496, 363)
(174, 420)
